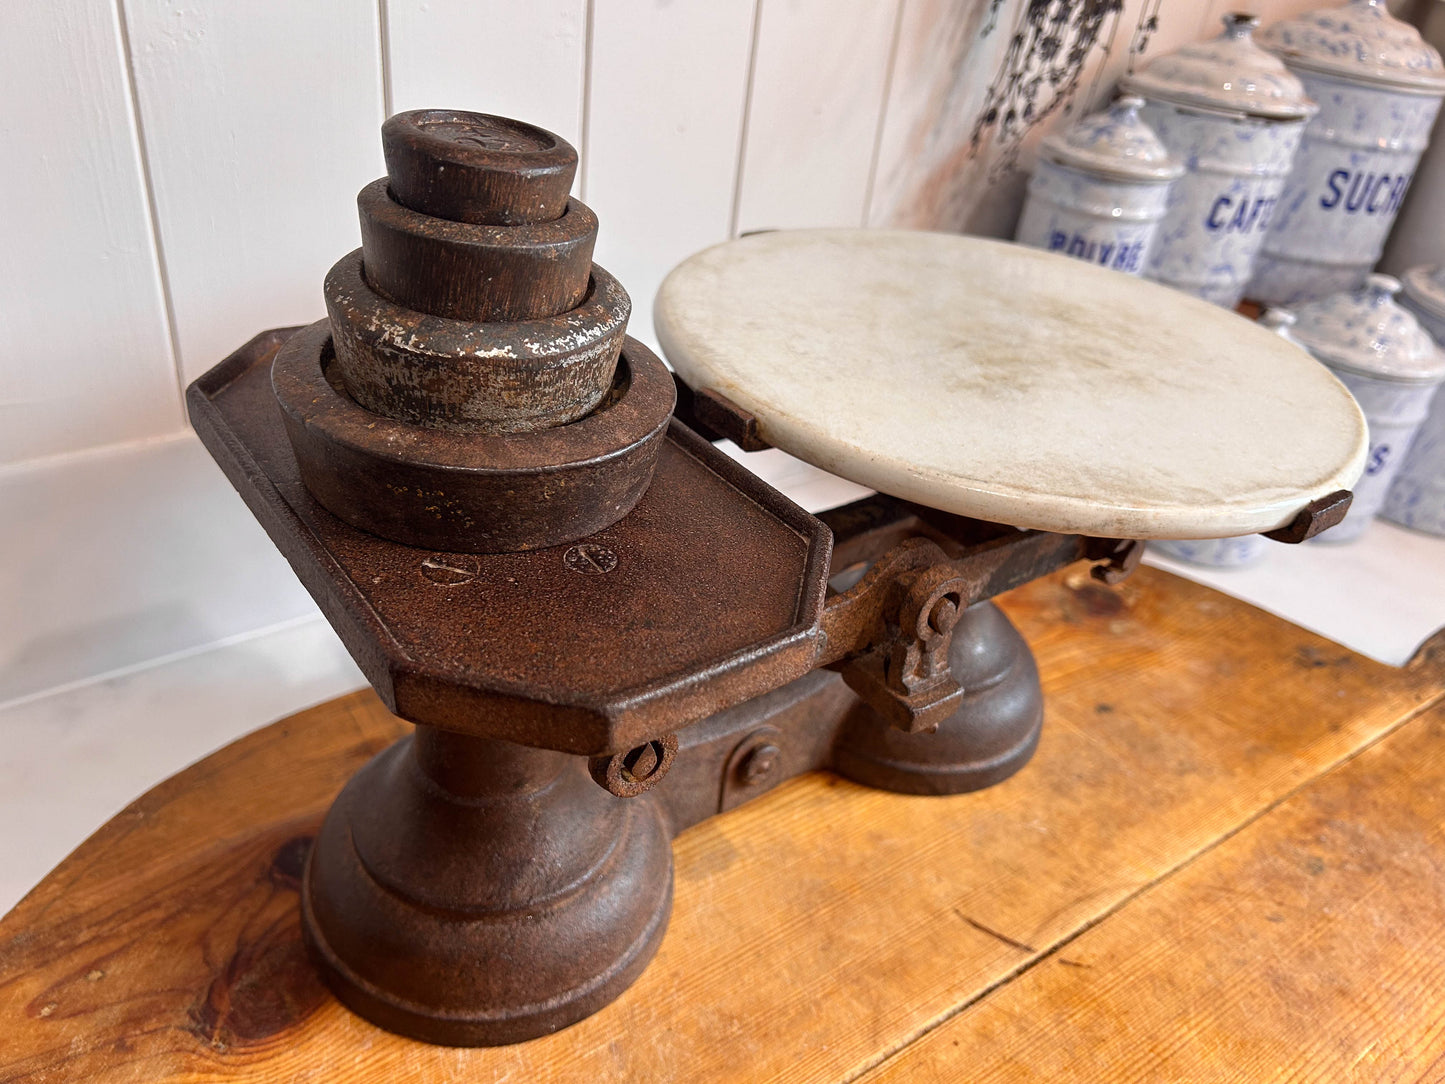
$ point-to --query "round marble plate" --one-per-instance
(1011, 385)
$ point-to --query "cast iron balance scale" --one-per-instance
(606, 630)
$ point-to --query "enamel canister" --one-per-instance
(1392, 367)
(1417, 495)
(1242, 550)
(1234, 115)
(1379, 87)
(1099, 190)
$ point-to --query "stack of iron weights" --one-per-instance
(473, 389)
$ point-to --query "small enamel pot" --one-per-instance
(1417, 495)
(1100, 189)
(1391, 366)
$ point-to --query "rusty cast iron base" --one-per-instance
(989, 738)
(507, 871)
(474, 892)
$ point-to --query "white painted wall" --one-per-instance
(180, 173)
(85, 356)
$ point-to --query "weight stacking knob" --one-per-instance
(473, 167)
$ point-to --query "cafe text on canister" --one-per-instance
(1233, 114)
(1378, 85)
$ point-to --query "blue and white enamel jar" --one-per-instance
(1214, 552)
(1417, 496)
(1234, 115)
(1392, 368)
(1243, 550)
(1379, 87)
(1099, 190)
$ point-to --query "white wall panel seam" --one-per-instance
(15, 469)
(741, 162)
(667, 82)
(535, 65)
(585, 126)
(260, 126)
(882, 113)
(383, 31)
(163, 278)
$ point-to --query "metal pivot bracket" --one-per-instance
(906, 605)
(713, 415)
(1319, 515)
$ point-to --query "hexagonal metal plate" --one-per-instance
(708, 593)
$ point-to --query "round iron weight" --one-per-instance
(474, 167)
(471, 492)
(475, 272)
(468, 377)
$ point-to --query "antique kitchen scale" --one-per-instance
(606, 630)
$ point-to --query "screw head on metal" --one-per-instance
(758, 764)
(636, 771)
(945, 613)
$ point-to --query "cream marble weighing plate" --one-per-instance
(1012, 385)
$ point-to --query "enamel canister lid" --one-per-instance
(1425, 286)
(1361, 41)
(1114, 143)
(1228, 74)
(1364, 331)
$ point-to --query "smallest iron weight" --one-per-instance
(604, 629)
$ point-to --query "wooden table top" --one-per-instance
(1011, 385)
(1226, 862)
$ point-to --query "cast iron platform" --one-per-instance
(708, 593)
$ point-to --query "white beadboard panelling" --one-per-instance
(261, 123)
(85, 357)
(817, 94)
(111, 558)
(668, 87)
(926, 176)
(525, 61)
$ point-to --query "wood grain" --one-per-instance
(1305, 948)
(816, 932)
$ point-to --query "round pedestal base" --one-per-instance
(471, 892)
(989, 738)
